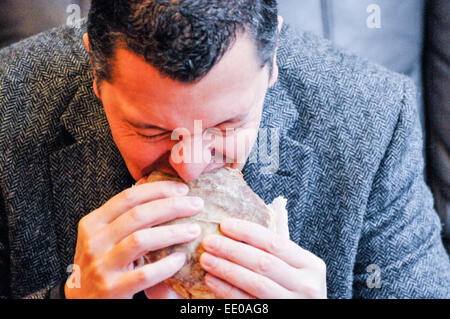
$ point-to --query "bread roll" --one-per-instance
(226, 195)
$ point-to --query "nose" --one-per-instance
(192, 156)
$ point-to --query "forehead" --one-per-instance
(229, 89)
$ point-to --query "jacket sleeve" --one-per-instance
(400, 252)
(4, 254)
(52, 292)
(49, 292)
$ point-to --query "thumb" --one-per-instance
(279, 207)
(162, 291)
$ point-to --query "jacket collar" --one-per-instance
(296, 159)
(84, 117)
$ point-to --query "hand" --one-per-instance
(125, 228)
(251, 261)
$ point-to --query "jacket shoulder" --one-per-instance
(38, 78)
(348, 106)
(58, 52)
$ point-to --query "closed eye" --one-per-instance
(153, 137)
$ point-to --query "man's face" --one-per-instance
(218, 117)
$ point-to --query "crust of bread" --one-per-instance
(226, 194)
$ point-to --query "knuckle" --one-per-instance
(178, 205)
(127, 195)
(99, 277)
(259, 287)
(169, 188)
(225, 270)
(172, 203)
(89, 248)
(176, 232)
(142, 276)
(136, 240)
(321, 266)
(230, 253)
(82, 225)
(229, 291)
(274, 244)
(96, 267)
(223, 246)
(311, 291)
(264, 264)
(311, 288)
(106, 287)
(135, 215)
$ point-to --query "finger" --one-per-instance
(147, 215)
(136, 195)
(139, 243)
(152, 274)
(252, 258)
(279, 207)
(224, 290)
(162, 291)
(265, 239)
(242, 278)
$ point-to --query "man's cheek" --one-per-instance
(137, 155)
(140, 154)
(239, 144)
(234, 145)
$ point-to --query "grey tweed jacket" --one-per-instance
(350, 166)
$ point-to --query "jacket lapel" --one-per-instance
(291, 180)
(85, 173)
(295, 160)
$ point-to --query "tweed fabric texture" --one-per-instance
(350, 166)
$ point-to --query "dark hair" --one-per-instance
(182, 39)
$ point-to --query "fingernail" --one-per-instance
(193, 230)
(208, 260)
(182, 189)
(196, 202)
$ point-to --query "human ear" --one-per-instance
(94, 85)
(274, 76)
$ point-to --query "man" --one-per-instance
(74, 139)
